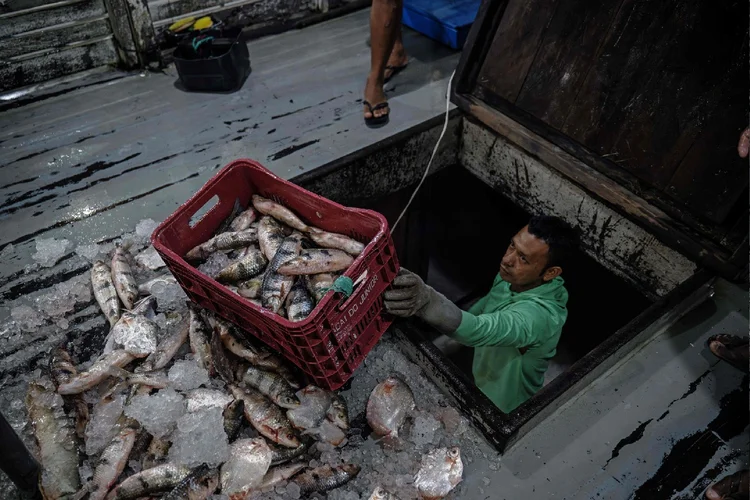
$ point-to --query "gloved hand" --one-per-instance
(409, 296)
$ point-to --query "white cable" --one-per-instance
(434, 151)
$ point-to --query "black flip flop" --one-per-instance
(377, 121)
(395, 70)
(730, 342)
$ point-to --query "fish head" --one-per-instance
(379, 494)
(288, 438)
(289, 400)
(351, 469)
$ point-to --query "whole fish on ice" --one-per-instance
(199, 335)
(273, 385)
(100, 370)
(200, 484)
(62, 370)
(338, 412)
(105, 292)
(55, 435)
(249, 460)
(325, 478)
(440, 472)
(155, 480)
(389, 404)
(267, 418)
(122, 277)
(234, 415)
(112, 462)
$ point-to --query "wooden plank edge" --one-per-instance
(649, 217)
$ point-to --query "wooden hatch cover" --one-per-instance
(641, 103)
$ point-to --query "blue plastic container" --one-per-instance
(447, 21)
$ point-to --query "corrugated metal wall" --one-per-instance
(45, 39)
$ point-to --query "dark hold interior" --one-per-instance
(457, 230)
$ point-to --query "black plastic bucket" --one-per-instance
(213, 60)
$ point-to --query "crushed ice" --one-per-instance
(186, 375)
(49, 251)
(200, 438)
(158, 412)
(150, 259)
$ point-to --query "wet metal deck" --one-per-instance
(88, 164)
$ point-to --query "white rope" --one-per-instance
(434, 151)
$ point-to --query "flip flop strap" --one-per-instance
(382, 105)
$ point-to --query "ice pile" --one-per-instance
(150, 259)
(200, 438)
(157, 412)
(89, 252)
(145, 227)
(168, 295)
(26, 317)
(49, 251)
(63, 297)
(424, 430)
(215, 263)
(186, 375)
(102, 426)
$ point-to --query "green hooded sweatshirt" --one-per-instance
(502, 324)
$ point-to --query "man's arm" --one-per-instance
(511, 328)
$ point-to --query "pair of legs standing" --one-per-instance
(387, 54)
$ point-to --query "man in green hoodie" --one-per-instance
(516, 326)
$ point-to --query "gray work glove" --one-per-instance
(409, 296)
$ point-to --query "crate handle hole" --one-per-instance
(203, 211)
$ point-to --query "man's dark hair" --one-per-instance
(561, 238)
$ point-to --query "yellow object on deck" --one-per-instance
(203, 23)
(182, 24)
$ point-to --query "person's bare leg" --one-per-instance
(398, 55)
(385, 24)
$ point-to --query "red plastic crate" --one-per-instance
(330, 343)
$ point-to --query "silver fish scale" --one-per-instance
(325, 478)
(243, 220)
(199, 343)
(122, 276)
(156, 479)
(276, 286)
(112, 462)
(104, 291)
(440, 472)
(266, 417)
(270, 384)
(299, 302)
(248, 267)
(54, 433)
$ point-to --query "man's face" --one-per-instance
(524, 262)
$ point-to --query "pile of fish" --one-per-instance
(276, 261)
(193, 408)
